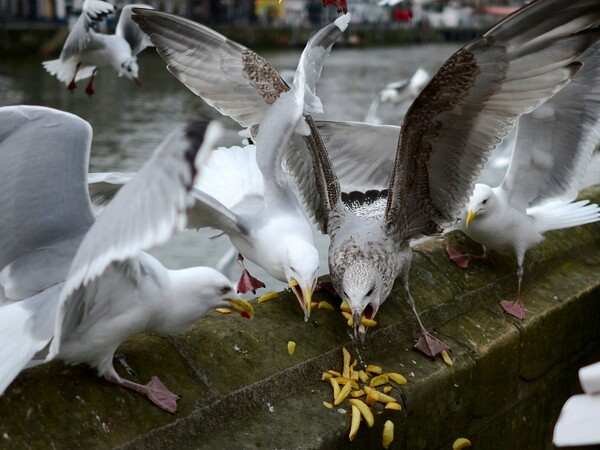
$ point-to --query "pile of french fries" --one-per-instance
(363, 384)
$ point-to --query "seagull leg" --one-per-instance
(155, 390)
(72, 84)
(89, 89)
(516, 308)
(426, 344)
(462, 260)
(340, 5)
(247, 282)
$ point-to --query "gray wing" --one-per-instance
(146, 212)
(104, 186)
(361, 153)
(93, 12)
(137, 39)
(231, 78)
(286, 115)
(209, 212)
(474, 100)
(555, 142)
(44, 155)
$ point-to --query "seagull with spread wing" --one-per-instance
(262, 216)
(85, 50)
(469, 106)
(553, 148)
(83, 285)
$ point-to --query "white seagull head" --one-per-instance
(361, 284)
(130, 69)
(301, 264)
(481, 202)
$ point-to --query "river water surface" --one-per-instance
(129, 122)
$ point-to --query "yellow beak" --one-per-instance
(243, 307)
(470, 216)
(304, 297)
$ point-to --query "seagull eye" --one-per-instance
(370, 292)
(485, 201)
(225, 289)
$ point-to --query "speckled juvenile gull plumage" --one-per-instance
(446, 136)
(553, 147)
(85, 51)
(84, 285)
(240, 83)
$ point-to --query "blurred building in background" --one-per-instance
(404, 13)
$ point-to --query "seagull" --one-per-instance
(398, 93)
(85, 50)
(263, 204)
(469, 106)
(82, 285)
(577, 424)
(553, 148)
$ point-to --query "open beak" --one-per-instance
(304, 296)
(241, 306)
(137, 81)
(470, 216)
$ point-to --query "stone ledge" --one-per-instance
(505, 389)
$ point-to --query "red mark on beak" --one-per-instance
(138, 81)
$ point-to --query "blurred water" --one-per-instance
(129, 122)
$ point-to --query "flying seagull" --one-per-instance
(447, 134)
(264, 205)
(85, 50)
(553, 148)
(83, 285)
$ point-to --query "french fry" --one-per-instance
(325, 305)
(343, 393)
(379, 396)
(367, 322)
(355, 422)
(356, 394)
(347, 358)
(223, 310)
(349, 318)
(379, 380)
(374, 369)
(268, 296)
(392, 405)
(387, 389)
(363, 376)
(354, 375)
(334, 373)
(461, 443)
(364, 410)
(335, 386)
(326, 376)
(314, 305)
(396, 378)
(345, 307)
(447, 359)
(344, 380)
(388, 434)
(327, 405)
(372, 397)
(291, 346)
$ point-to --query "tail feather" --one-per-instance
(560, 215)
(25, 329)
(65, 70)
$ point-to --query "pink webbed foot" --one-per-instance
(429, 345)
(515, 308)
(460, 259)
(155, 390)
(248, 283)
